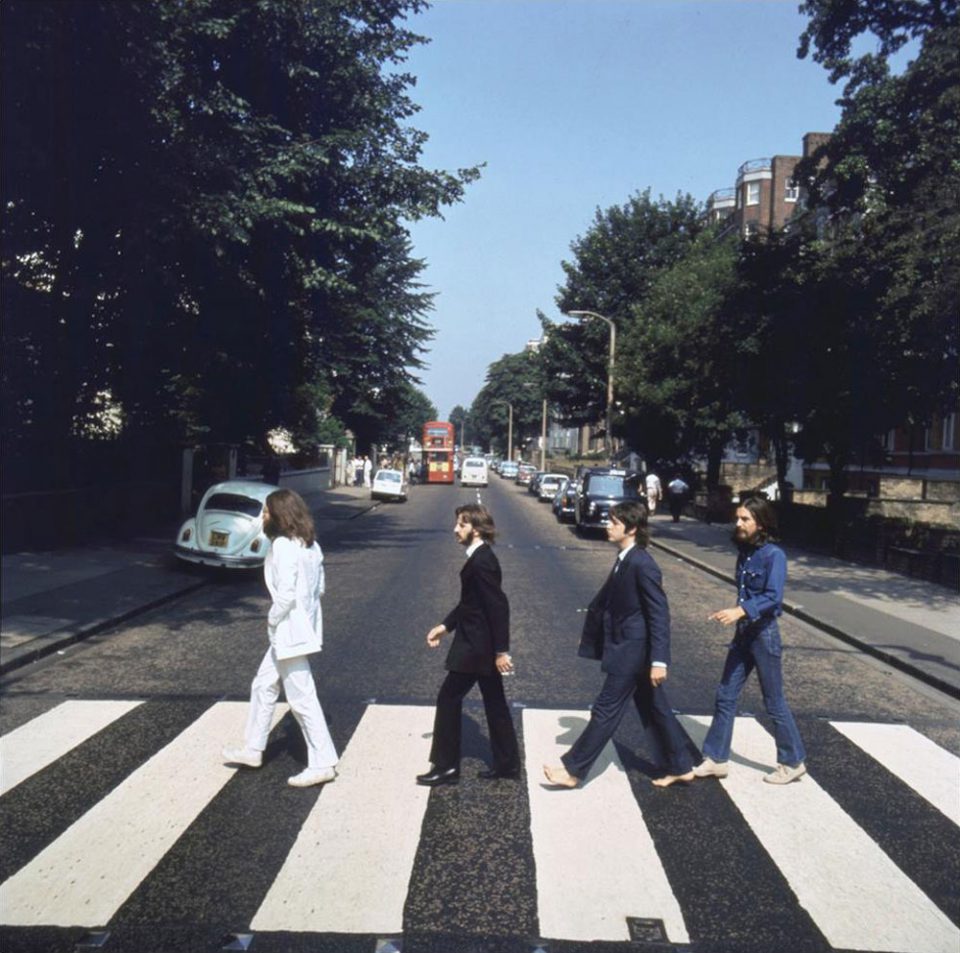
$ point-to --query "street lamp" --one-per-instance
(613, 352)
(500, 400)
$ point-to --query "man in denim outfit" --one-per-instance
(761, 574)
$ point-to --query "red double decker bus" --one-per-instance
(437, 443)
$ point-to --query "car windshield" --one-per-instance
(388, 476)
(234, 503)
(612, 486)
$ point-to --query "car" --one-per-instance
(534, 485)
(600, 489)
(548, 485)
(388, 485)
(525, 472)
(227, 531)
(474, 472)
(508, 470)
(565, 501)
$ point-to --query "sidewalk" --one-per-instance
(908, 623)
(52, 599)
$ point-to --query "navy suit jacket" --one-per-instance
(481, 620)
(636, 622)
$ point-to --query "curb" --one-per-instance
(798, 612)
(86, 629)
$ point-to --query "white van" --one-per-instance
(473, 472)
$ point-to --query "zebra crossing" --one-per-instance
(603, 857)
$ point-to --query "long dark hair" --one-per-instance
(480, 519)
(289, 517)
(633, 515)
(764, 515)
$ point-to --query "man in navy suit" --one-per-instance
(635, 656)
(480, 653)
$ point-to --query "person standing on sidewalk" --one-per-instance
(677, 491)
(636, 653)
(293, 571)
(761, 576)
(480, 653)
(654, 490)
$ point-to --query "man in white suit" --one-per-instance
(293, 571)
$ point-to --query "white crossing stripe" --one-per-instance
(920, 763)
(37, 744)
(854, 892)
(596, 862)
(84, 876)
(350, 867)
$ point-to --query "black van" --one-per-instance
(601, 488)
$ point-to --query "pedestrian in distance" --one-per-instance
(761, 576)
(677, 491)
(479, 653)
(367, 472)
(294, 575)
(654, 491)
(628, 628)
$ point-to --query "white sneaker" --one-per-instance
(708, 768)
(784, 774)
(245, 756)
(310, 776)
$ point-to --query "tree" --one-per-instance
(516, 379)
(206, 214)
(680, 363)
(613, 267)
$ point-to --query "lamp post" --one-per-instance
(500, 400)
(613, 353)
(543, 438)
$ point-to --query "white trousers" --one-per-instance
(301, 692)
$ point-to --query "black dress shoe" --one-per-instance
(437, 776)
(492, 774)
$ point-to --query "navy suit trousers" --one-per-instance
(657, 717)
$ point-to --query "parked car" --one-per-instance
(525, 472)
(474, 472)
(548, 485)
(565, 502)
(534, 485)
(228, 528)
(508, 470)
(600, 489)
(388, 485)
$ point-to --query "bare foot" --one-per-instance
(669, 779)
(560, 777)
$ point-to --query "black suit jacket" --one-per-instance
(481, 620)
(635, 616)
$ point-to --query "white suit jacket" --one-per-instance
(294, 576)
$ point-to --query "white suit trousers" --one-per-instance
(301, 692)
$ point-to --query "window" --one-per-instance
(753, 193)
(949, 429)
(792, 191)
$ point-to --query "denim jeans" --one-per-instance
(758, 649)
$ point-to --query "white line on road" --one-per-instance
(31, 747)
(349, 870)
(596, 862)
(920, 763)
(854, 892)
(83, 877)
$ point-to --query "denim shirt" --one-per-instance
(761, 575)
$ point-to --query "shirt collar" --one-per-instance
(473, 547)
(622, 555)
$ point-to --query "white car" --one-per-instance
(228, 528)
(388, 485)
(549, 485)
(474, 472)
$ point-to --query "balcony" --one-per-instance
(754, 165)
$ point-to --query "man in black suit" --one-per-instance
(635, 633)
(480, 653)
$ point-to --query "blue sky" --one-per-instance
(575, 105)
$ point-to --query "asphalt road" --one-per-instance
(861, 854)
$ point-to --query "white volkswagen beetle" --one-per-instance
(228, 528)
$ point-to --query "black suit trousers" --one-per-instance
(656, 716)
(445, 750)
